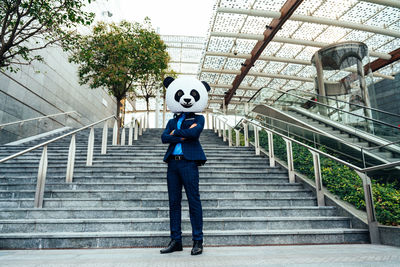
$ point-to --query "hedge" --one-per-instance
(341, 180)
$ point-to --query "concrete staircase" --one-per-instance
(122, 201)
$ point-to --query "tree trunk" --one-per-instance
(147, 108)
(164, 111)
(119, 104)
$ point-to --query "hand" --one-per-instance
(193, 125)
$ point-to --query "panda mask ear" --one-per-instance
(207, 86)
(167, 81)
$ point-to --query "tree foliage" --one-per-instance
(30, 25)
(118, 56)
(342, 181)
(148, 84)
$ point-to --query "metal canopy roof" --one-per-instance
(185, 52)
(237, 25)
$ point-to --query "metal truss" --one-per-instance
(236, 27)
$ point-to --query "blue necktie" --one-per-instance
(178, 146)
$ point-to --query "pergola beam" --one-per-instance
(183, 47)
(261, 74)
(286, 60)
(392, 3)
(246, 88)
(183, 73)
(276, 24)
(380, 63)
(312, 19)
(236, 96)
(288, 41)
(184, 62)
(211, 101)
(266, 58)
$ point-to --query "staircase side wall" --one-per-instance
(390, 235)
(42, 89)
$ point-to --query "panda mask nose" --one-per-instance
(187, 100)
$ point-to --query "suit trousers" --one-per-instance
(186, 173)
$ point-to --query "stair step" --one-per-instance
(148, 186)
(135, 239)
(162, 212)
(155, 202)
(162, 224)
(122, 200)
(161, 194)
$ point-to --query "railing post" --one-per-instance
(271, 152)
(104, 139)
(229, 136)
(90, 147)
(123, 137)
(41, 179)
(369, 206)
(115, 133)
(256, 140)
(224, 131)
(215, 124)
(318, 178)
(71, 160)
(145, 122)
(237, 138)
(219, 128)
(289, 153)
(130, 137)
(246, 134)
(207, 121)
(141, 126)
(135, 137)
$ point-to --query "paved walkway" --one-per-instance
(321, 255)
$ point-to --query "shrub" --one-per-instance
(342, 181)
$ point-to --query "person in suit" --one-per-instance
(184, 155)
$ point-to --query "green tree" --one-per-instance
(30, 25)
(118, 56)
(151, 82)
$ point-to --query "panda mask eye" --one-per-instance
(178, 95)
(195, 95)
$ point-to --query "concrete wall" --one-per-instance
(390, 235)
(387, 98)
(48, 88)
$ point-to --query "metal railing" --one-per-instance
(283, 93)
(21, 122)
(364, 151)
(136, 128)
(340, 110)
(42, 171)
(220, 125)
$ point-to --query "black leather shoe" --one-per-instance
(197, 247)
(172, 246)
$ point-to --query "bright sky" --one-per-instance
(172, 17)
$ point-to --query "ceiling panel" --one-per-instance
(354, 11)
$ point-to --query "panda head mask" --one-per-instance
(186, 94)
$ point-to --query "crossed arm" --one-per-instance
(171, 135)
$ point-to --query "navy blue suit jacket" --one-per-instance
(191, 147)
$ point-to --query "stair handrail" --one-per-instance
(352, 104)
(220, 129)
(138, 125)
(327, 97)
(348, 112)
(356, 168)
(362, 172)
(42, 170)
(21, 122)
